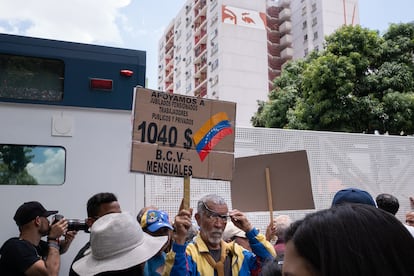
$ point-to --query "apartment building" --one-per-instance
(231, 50)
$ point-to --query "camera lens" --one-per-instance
(77, 225)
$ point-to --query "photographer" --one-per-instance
(97, 206)
(28, 254)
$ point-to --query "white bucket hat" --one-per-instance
(117, 243)
(231, 231)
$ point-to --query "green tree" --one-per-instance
(13, 161)
(360, 82)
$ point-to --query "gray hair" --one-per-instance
(213, 198)
(282, 223)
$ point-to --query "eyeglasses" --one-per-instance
(210, 214)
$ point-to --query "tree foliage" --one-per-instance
(13, 162)
(360, 82)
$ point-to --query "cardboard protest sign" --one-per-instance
(179, 135)
(289, 178)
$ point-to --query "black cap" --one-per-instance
(28, 211)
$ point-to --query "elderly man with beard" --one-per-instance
(209, 254)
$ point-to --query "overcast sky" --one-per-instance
(139, 24)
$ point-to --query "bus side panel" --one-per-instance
(83, 62)
(97, 160)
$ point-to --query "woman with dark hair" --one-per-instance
(349, 239)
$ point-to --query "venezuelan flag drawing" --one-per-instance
(212, 132)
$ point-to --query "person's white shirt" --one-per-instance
(410, 229)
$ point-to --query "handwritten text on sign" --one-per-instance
(180, 135)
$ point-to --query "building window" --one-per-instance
(31, 78)
(187, 75)
(304, 24)
(314, 21)
(306, 51)
(32, 165)
(188, 61)
(214, 49)
(214, 19)
(188, 88)
(303, 10)
(214, 33)
(213, 4)
(178, 59)
(313, 7)
(315, 35)
(188, 34)
(178, 34)
(188, 21)
(178, 84)
(188, 48)
(316, 48)
(214, 65)
(305, 38)
(214, 80)
(187, 9)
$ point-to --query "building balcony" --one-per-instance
(169, 86)
(273, 50)
(169, 47)
(200, 80)
(199, 23)
(286, 40)
(200, 49)
(200, 64)
(201, 90)
(272, 23)
(273, 11)
(200, 7)
(284, 3)
(169, 35)
(285, 14)
(169, 75)
(285, 27)
(200, 34)
(274, 62)
(287, 53)
(273, 74)
(273, 37)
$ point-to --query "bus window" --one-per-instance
(32, 165)
(31, 78)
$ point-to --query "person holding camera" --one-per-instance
(28, 254)
(97, 206)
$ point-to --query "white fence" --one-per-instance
(375, 163)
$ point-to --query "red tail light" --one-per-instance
(127, 73)
(100, 84)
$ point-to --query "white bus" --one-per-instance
(65, 128)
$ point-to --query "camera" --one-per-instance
(73, 224)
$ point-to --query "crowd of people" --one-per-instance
(357, 235)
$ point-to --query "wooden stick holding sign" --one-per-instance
(186, 196)
(270, 201)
